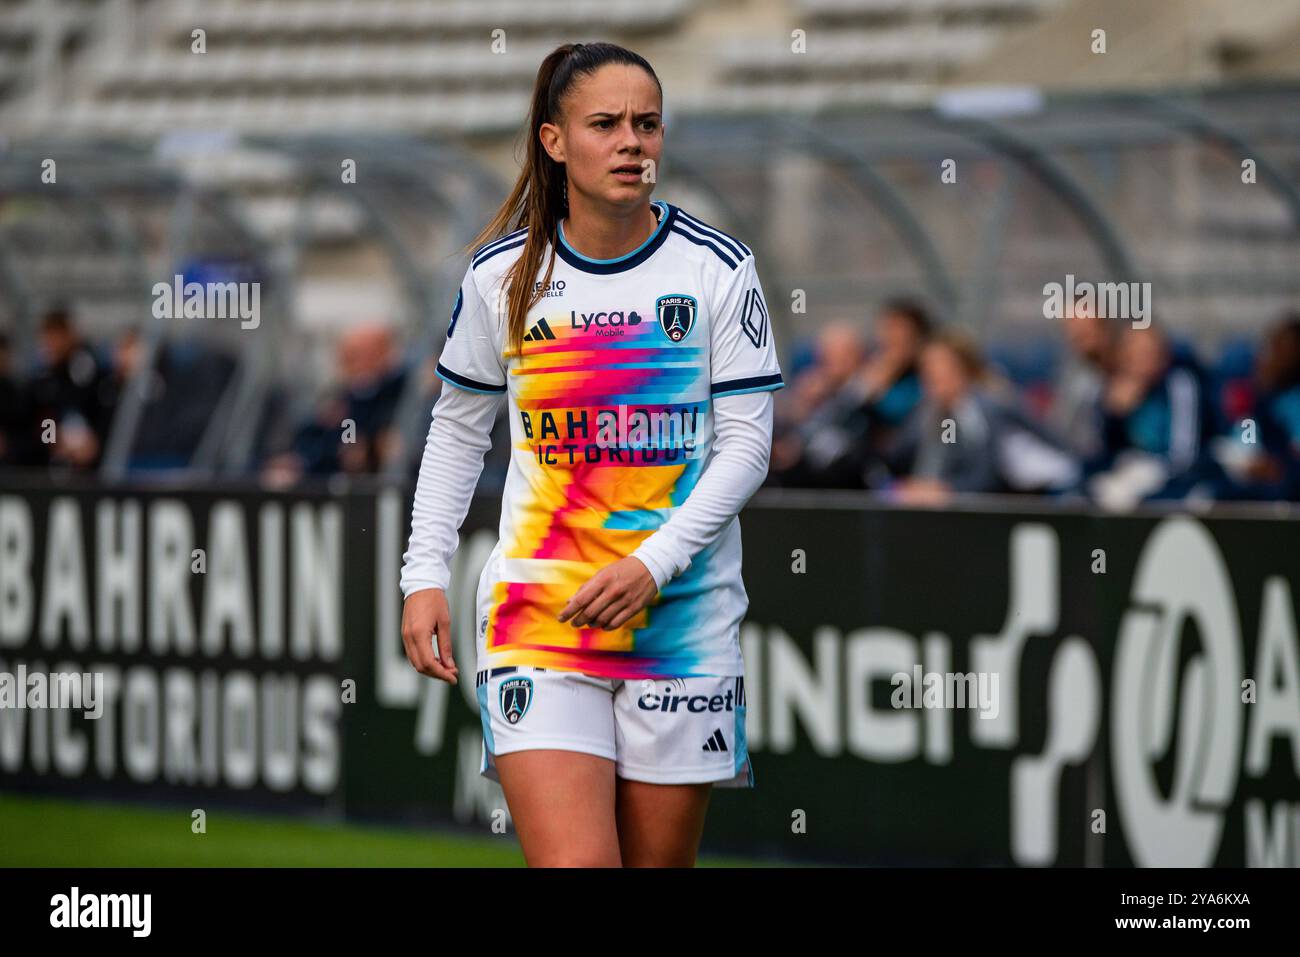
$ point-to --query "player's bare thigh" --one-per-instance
(660, 825)
(563, 806)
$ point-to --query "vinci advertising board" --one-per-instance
(923, 687)
(1132, 688)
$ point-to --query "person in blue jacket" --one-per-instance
(1157, 406)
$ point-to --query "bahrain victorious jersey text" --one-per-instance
(611, 426)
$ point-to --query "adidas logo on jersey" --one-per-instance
(539, 332)
(716, 742)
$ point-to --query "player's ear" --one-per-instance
(552, 141)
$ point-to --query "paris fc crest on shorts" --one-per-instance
(516, 696)
(676, 315)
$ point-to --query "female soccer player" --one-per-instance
(638, 368)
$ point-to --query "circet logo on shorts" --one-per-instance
(516, 696)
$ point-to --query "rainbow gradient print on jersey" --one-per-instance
(611, 424)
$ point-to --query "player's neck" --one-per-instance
(605, 235)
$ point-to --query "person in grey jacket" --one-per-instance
(1081, 379)
(969, 435)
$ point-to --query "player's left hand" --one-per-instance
(611, 596)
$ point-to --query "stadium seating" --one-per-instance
(396, 64)
(126, 66)
(76, 75)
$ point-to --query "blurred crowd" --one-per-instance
(903, 406)
(919, 413)
(353, 426)
(59, 414)
(60, 411)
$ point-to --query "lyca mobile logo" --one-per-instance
(604, 321)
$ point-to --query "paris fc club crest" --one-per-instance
(516, 696)
(676, 315)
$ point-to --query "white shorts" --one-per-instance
(662, 731)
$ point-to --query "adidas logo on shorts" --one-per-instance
(716, 742)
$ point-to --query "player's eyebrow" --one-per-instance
(637, 116)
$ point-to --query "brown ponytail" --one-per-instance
(540, 197)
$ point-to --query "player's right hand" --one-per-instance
(426, 620)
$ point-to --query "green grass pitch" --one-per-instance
(49, 832)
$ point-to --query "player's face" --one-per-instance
(612, 127)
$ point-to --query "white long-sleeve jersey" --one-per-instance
(640, 423)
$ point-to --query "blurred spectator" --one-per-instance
(846, 408)
(890, 382)
(1076, 407)
(817, 423)
(373, 381)
(352, 428)
(1158, 418)
(1271, 429)
(73, 391)
(19, 440)
(181, 391)
(968, 434)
